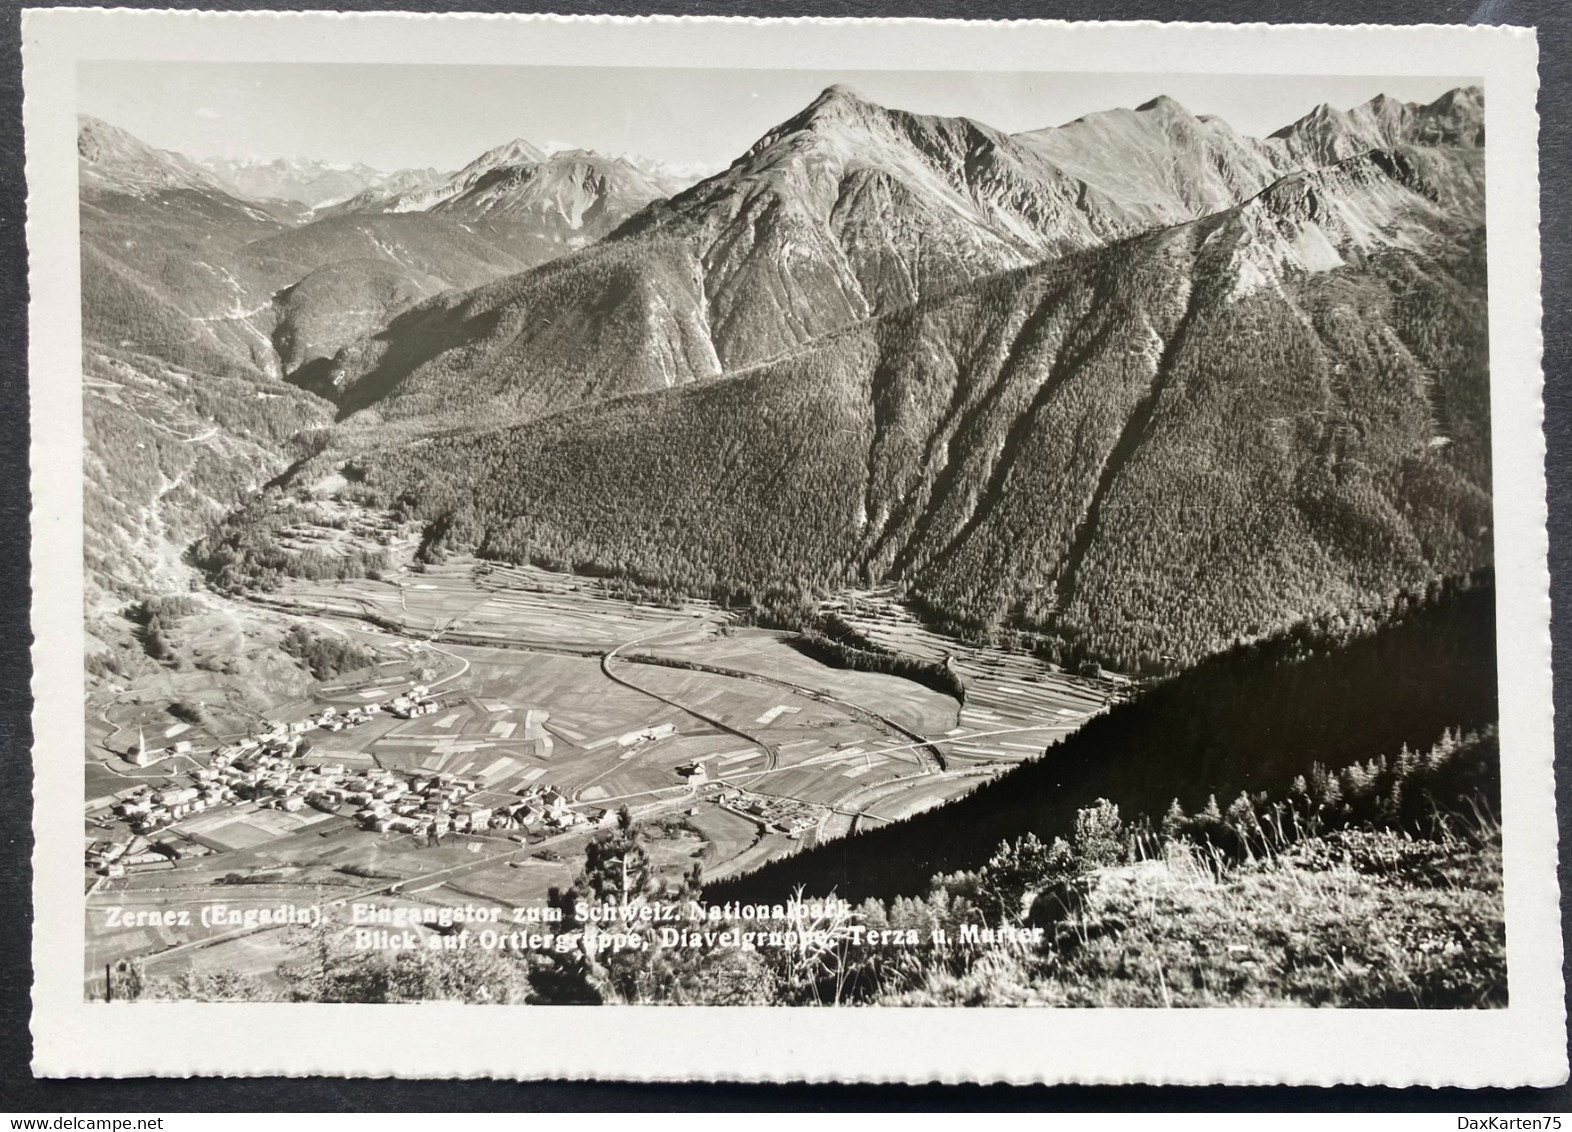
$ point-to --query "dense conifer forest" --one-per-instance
(832, 641)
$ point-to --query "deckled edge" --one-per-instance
(40, 651)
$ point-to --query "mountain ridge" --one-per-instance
(112, 159)
(573, 195)
(841, 212)
(1021, 450)
(1327, 135)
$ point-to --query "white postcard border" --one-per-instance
(1523, 1044)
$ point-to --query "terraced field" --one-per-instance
(1015, 704)
(766, 654)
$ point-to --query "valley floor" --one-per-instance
(542, 680)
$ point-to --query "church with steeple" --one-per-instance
(141, 756)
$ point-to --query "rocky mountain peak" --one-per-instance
(516, 152)
(1456, 118)
(112, 159)
(842, 99)
(1320, 117)
(96, 139)
(1158, 163)
(835, 115)
(1162, 104)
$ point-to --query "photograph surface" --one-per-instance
(610, 535)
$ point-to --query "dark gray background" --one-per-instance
(20, 1093)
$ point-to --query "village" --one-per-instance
(274, 770)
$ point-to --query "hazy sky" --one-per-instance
(399, 115)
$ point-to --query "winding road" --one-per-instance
(770, 753)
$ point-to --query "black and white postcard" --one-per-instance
(788, 550)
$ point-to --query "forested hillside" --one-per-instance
(167, 453)
(1249, 721)
(1146, 450)
(177, 267)
(533, 343)
(207, 282)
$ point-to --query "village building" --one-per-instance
(140, 755)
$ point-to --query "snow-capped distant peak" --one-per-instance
(312, 182)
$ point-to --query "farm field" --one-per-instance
(480, 604)
(729, 744)
(805, 748)
(767, 654)
(726, 835)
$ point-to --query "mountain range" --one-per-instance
(573, 193)
(844, 212)
(315, 184)
(1137, 382)
(1150, 448)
